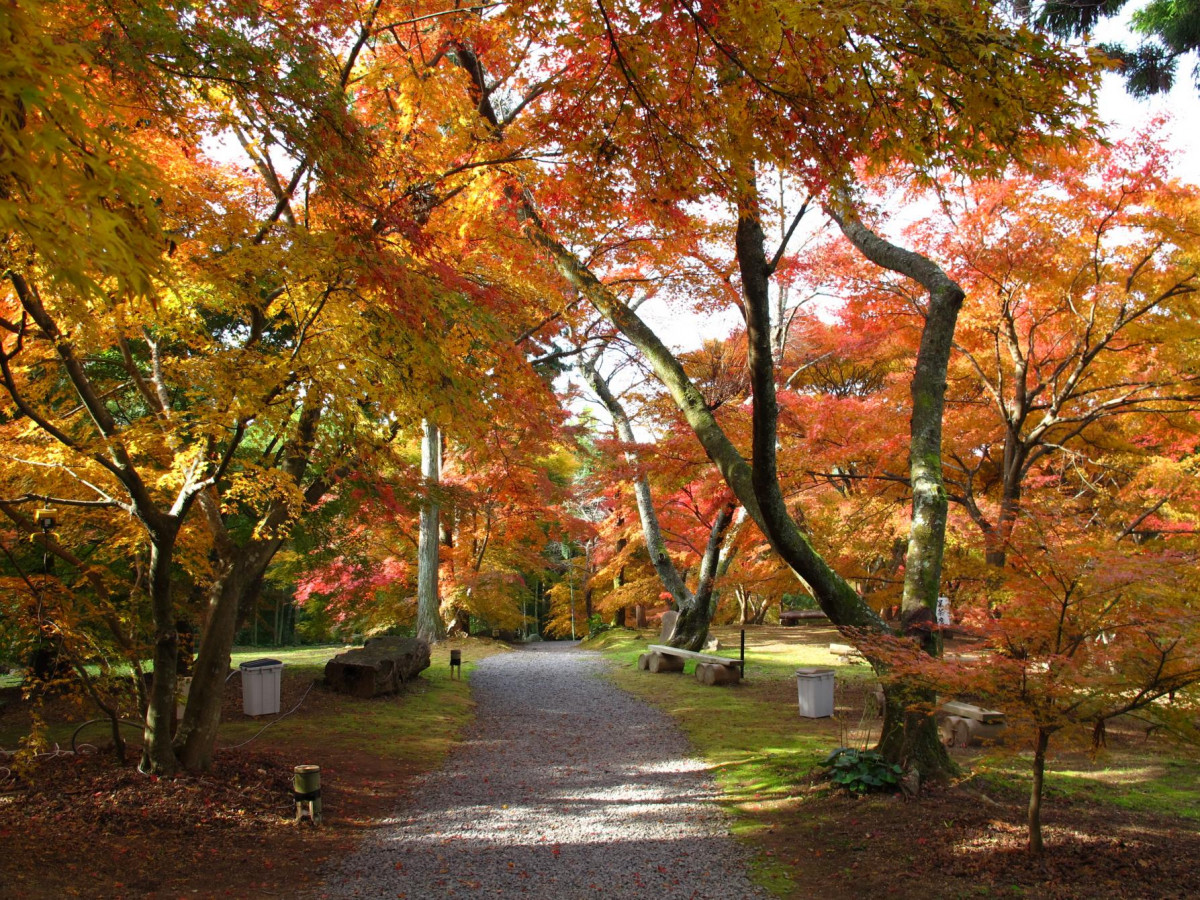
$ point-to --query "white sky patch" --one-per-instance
(1128, 115)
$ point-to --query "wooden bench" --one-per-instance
(794, 617)
(966, 723)
(709, 669)
(847, 653)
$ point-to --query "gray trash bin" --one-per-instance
(260, 686)
(815, 689)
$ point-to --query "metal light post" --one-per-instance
(46, 520)
(44, 660)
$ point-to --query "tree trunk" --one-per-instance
(232, 594)
(158, 754)
(1035, 793)
(836, 596)
(695, 610)
(430, 626)
(927, 530)
(695, 614)
(910, 736)
(756, 485)
(1012, 474)
(691, 628)
(229, 600)
(651, 530)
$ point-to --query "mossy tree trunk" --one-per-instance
(696, 613)
(756, 485)
(695, 610)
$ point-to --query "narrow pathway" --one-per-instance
(564, 787)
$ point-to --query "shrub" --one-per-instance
(862, 771)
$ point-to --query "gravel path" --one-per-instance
(565, 787)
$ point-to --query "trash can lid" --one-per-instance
(259, 663)
(813, 672)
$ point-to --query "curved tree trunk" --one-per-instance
(837, 597)
(651, 531)
(909, 737)
(757, 486)
(231, 596)
(695, 615)
(695, 610)
(228, 604)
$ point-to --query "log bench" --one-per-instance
(709, 669)
(382, 666)
(793, 617)
(966, 723)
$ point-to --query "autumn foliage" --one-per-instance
(253, 252)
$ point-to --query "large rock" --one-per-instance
(382, 666)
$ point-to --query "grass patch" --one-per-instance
(810, 841)
(1142, 781)
(420, 724)
(311, 657)
(417, 726)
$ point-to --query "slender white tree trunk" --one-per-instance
(429, 617)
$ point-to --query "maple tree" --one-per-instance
(1071, 414)
(52, 296)
(1088, 270)
(503, 502)
(414, 176)
(656, 124)
(1080, 629)
(226, 385)
(696, 607)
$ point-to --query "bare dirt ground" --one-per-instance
(953, 843)
(81, 826)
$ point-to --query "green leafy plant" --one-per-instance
(862, 771)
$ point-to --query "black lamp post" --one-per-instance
(46, 518)
(45, 654)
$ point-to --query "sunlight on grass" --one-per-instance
(316, 655)
(419, 725)
(1172, 787)
(1138, 780)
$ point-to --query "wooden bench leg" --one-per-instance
(661, 663)
(956, 732)
(960, 732)
(711, 673)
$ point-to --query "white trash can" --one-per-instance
(260, 686)
(815, 689)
